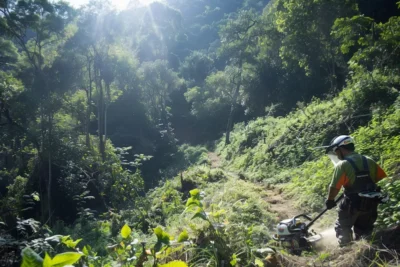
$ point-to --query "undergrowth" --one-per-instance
(283, 149)
(361, 253)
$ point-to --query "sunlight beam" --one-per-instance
(118, 4)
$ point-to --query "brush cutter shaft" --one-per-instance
(322, 213)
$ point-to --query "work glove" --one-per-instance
(330, 204)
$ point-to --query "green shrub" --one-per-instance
(194, 155)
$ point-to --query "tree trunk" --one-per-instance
(101, 120)
(334, 81)
(105, 129)
(42, 191)
(41, 167)
(89, 103)
(231, 113)
(49, 189)
(87, 123)
(233, 106)
(42, 128)
(100, 105)
(105, 113)
(50, 170)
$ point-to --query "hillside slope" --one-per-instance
(281, 150)
(271, 171)
(240, 217)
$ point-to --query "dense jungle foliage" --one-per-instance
(109, 121)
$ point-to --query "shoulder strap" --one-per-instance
(365, 163)
(353, 164)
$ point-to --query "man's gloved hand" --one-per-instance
(330, 204)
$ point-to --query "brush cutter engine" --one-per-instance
(293, 234)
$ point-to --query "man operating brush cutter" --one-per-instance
(358, 176)
(358, 204)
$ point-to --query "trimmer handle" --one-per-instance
(303, 215)
(298, 216)
(322, 213)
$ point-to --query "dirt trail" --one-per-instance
(283, 207)
(215, 160)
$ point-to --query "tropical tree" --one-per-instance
(238, 39)
(38, 28)
(158, 82)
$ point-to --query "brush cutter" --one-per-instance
(295, 234)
